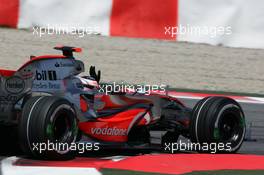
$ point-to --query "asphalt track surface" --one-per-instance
(254, 114)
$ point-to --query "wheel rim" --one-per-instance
(62, 126)
(231, 128)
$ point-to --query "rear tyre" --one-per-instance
(139, 135)
(168, 139)
(47, 128)
(219, 121)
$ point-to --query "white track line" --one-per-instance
(260, 99)
(7, 168)
(252, 100)
(116, 158)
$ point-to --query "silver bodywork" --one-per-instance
(56, 76)
(59, 77)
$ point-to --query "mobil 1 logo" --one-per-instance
(46, 75)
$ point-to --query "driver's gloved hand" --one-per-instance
(94, 75)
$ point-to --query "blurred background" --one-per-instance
(235, 23)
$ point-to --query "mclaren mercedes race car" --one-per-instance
(56, 108)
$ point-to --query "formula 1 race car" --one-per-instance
(51, 103)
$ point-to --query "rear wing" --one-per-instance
(68, 51)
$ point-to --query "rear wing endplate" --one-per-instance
(67, 50)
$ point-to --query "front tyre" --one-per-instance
(218, 120)
(47, 128)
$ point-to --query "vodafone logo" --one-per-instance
(109, 131)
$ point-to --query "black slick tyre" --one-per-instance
(48, 123)
(218, 120)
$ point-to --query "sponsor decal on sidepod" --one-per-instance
(109, 131)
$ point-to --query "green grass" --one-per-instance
(125, 172)
(228, 172)
(220, 172)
